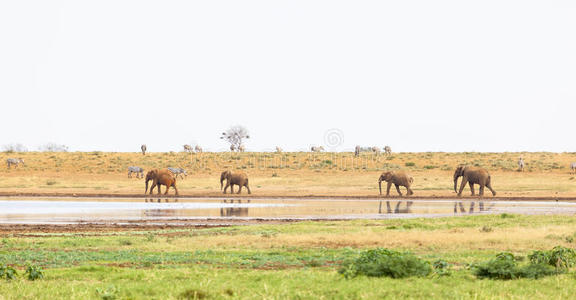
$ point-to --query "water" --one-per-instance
(74, 210)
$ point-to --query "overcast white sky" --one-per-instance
(415, 75)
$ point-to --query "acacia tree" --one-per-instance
(235, 135)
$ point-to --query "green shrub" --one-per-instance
(410, 164)
(441, 268)
(34, 272)
(505, 266)
(559, 257)
(382, 262)
(7, 272)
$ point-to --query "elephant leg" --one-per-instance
(409, 191)
(167, 188)
(232, 188)
(159, 185)
(490, 187)
(471, 185)
(152, 187)
(239, 189)
(175, 189)
(388, 189)
(481, 193)
(462, 185)
(398, 189)
(248, 188)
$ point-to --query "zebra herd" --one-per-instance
(140, 172)
(376, 150)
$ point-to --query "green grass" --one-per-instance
(287, 261)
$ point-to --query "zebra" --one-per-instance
(357, 150)
(279, 150)
(521, 164)
(573, 167)
(133, 169)
(387, 150)
(316, 149)
(14, 161)
(143, 148)
(178, 171)
(376, 150)
(198, 149)
(241, 148)
(187, 148)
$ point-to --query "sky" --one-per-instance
(415, 75)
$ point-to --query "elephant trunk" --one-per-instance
(456, 183)
(221, 182)
(380, 185)
(146, 190)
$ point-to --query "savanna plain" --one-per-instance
(482, 256)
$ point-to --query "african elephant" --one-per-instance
(472, 175)
(398, 178)
(161, 177)
(239, 178)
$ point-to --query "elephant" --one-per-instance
(398, 178)
(143, 148)
(472, 175)
(238, 178)
(161, 177)
(357, 151)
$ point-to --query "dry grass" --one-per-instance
(288, 174)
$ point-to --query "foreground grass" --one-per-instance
(297, 260)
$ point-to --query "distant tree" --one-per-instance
(10, 148)
(52, 147)
(235, 136)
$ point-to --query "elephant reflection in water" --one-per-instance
(151, 199)
(234, 211)
(397, 209)
(160, 212)
(481, 206)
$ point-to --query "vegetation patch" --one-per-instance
(382, 262)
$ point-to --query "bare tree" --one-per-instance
(52, 147)
(187, 148)
(10, 148)
(235, 136)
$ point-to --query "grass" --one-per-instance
(277, 261)
(287, 174)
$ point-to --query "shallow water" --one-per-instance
(73, 210)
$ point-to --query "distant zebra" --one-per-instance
(316, 149)
(241, 148)
(573, 167)
(357, 150)
(521, 164)
(198, 149)
(178, 171)
(133, 169)
(376, 150)
(14, 161)
(279, 150)
(387, 150)
(187, 148)
(143, 148)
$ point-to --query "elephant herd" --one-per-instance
(470, 175)
(167, 178)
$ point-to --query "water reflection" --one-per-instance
(481, 207)
(159, 199)
(234, 211)
(398, 208)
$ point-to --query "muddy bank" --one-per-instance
(265, 196)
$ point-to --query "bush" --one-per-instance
(410, 164)
(7, 272)
(441, 268)
(34, 272)
(382, 262)
(559, 257)
(505, 266)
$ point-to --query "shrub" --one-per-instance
(7, 272)
(410, 164)
(34, 272)
(441, 268)
(382, 262)
(505, 266)
(559, 257)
